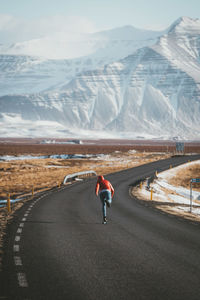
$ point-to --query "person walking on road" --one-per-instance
(106, 191)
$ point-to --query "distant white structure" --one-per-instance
(79, 142)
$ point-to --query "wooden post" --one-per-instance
(8, 203)
(151, 194)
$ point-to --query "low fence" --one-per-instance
(4, 202)
(68, 178)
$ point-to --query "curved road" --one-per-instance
(57, 248)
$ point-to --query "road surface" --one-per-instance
(57, 248)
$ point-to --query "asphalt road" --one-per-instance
(57, 247)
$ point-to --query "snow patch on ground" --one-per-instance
(177, 197)
(54, 156)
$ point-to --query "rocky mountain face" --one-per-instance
(153, 91)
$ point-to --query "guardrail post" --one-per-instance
(8, 203)
(151, 194)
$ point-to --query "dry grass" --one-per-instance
(19, 177)
(183, 177)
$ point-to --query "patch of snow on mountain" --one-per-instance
(181, 46)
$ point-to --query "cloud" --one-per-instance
(14, 29)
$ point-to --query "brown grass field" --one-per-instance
(12, 146)
(183, 178)
(20, 177)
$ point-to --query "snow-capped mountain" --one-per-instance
(21, 73)
(152, 90)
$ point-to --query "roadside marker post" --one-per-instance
(32, 191)
(151, 194)
(8, 203)
(191, 196)
(141, 185)
(193, 180)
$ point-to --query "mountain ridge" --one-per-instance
(69, 46)
(152, 92)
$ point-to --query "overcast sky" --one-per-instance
(26, 19)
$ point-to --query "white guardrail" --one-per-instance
(73, 176)
(78, 174)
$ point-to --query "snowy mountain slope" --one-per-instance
(28, 74)
(142, 93)
(22, 73)
(154, 91)
(182, 46)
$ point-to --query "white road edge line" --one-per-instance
(17, 238)
(16, 248)
(18, 261)
(22, 280)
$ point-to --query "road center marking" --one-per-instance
(16, 248)
(22, 280)
(18, 261)
(17, 238)
(19, 230)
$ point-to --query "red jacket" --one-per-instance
(103, 184)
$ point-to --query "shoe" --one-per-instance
(104, 220)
